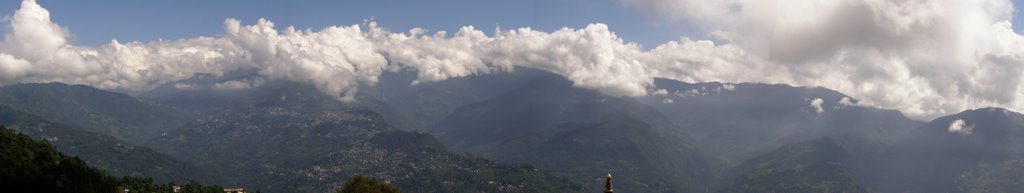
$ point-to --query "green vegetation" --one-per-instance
(32, 166)
(933, 159)
(310, 142)
(1006, 176)
(116, 157)
(147, 185)
(290, 137)
(331, 141)
(121, 116)
(360, 184)
(35, 166)
(813, 166)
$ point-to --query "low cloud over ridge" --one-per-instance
(945, 57)
(924, 57)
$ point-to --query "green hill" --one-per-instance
(32, 166)
(982, 156)
(35, 166)
(360, 184)
(202, 98)
(1005, 176)
(822, 165)
(934, 157)
(311, 142)
(114, 156)
(118, 115)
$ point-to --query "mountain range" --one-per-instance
(521, 131)
(580, 134)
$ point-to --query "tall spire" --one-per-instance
(608, 183)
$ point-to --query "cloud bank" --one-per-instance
(924, 57)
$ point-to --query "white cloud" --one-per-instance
(702, 91)
(238, 84)
(689, 93)
(11, 68)
(729, 86)
(231, 85)
(816, 105)
(668, 101)
(183, 86)
(960, 127)
(40, 53)
(337, 58)
(847, 102)
(592, 57)
(660, 92)
(924, 57)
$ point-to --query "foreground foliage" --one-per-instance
(36, 166)
(360, 184)
(115, 157)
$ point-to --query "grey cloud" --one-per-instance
(924, 57)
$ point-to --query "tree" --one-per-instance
(27, 165)
(360, 184)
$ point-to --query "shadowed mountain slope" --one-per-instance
(580, 134)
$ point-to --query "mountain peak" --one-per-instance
(989, 119)
(954, 143)
(990, 112)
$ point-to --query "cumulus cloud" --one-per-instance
(35, 49)
(847, 102)
(12, 67)
(816, 105)
(924, 57)
(338, 58)
(960, 127)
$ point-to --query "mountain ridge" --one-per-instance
(114, 156)
(119, 115)
(581, 134)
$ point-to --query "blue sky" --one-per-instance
(888, 68)
(96, 22)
